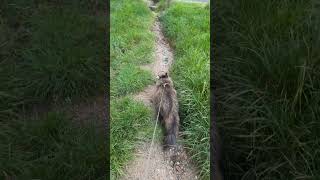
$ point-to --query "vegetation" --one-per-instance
(130, 122)
(267, 88)
(130, 79)
(161, 5)
(50, 53)
(51, 148)
(188, 29)
(130, 48)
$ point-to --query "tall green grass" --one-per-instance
(266, 73)
(130, 79)
(131, 40)
(188, 30)
(131, 45)
(49, 52)
(51, 147)
(60, 61)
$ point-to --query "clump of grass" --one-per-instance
(267, 91)
(51, 53)
(161, 5)
(130, 79)
(51, 147)
(187, 27)
(134, 45)
(130, 121)
(65, 58)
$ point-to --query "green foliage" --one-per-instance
(161, 5)
(187, 27)
(49, 51)
(131, 45)
(51, 147)
(65, 57)
(131, 40)
(266, 82)
(130, 120)
(130, 79)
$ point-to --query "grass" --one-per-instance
(132, 44)
(130, 79)
(161, 5)
(60, 61)
(130, 121)
(50, 52)
(187, 27)
(266, 75)
(51, 147)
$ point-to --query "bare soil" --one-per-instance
(161, 165)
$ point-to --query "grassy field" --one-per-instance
(132, 45)
(188, 30)
(267, 71)
(46, 54)
(50, 53)
(51, 147)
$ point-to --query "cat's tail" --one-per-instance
(171, 125)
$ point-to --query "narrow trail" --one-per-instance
(161, 165)
(163, 58)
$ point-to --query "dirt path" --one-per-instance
(163, 58)
(162, 165)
